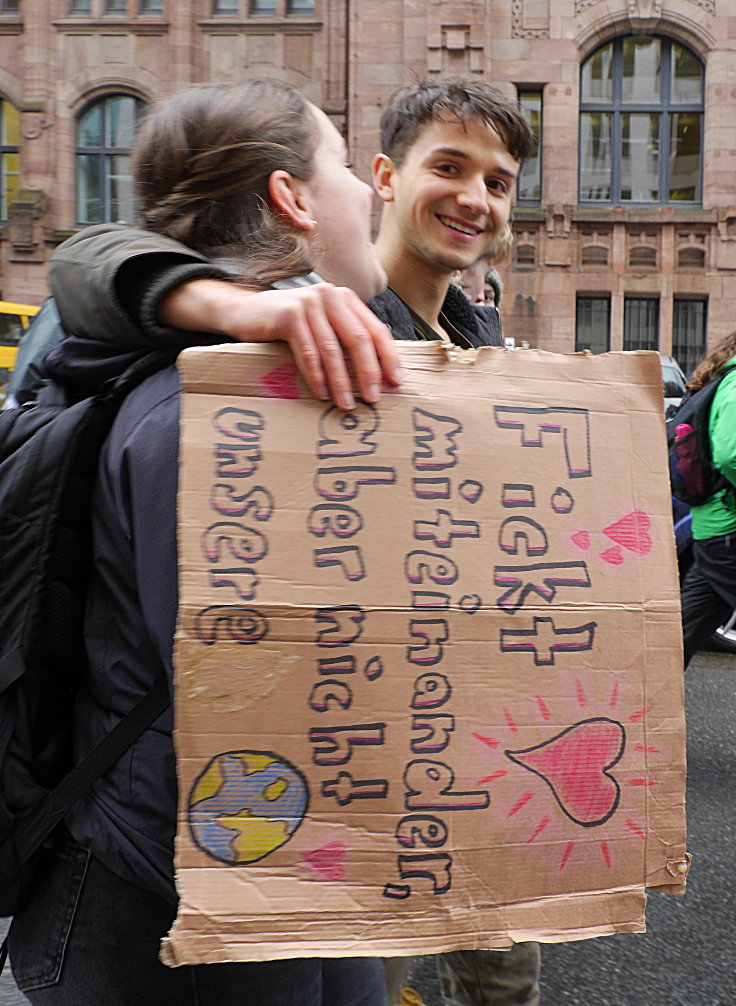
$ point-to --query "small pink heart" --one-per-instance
(329, 861)
(581, 539)
(613, 555)
(282, 381)
(631, 531)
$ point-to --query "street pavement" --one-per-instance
(687, 956)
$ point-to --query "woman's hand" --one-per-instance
(329, 329)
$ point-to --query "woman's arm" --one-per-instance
(134, 288)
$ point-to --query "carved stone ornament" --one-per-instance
(525, 26)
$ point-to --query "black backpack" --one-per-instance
(49, 455)
(693, 476)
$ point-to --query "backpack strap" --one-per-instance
(32, 832)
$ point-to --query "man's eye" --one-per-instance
(448, 169)
(497, 185)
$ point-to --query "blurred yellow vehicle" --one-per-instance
(14, 319)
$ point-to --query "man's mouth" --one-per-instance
(460, 226)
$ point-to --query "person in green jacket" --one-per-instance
(708, 594)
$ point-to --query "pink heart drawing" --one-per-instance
(576, 765)
(282, 381)
(581, 539)
(613, 555)
(329, 861)
(632, 531)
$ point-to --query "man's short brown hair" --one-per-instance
(415, 105)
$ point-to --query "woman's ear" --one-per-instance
(384, 173)
(288, 198)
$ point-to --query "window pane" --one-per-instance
(685, 157)
(592, 326)
(688, 333)
(641, 323)
(80, 6)
(115, 6)
(120, 180)
(530, 176)
(10, 125)
(262, 6)
(90, 127)
(90, 196)
(597, 76)
(9, 6)
(151, 6)
(293, 6)
(639, 158)
(120, 124)
(595, 155)
(226, 7)
(687, 75)
(642, 58)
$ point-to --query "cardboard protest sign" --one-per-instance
(428, 666)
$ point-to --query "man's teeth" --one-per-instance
(457, 227)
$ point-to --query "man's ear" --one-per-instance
(384, 174)
(289, 199)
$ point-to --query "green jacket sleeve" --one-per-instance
(108, 281)
(722, 426)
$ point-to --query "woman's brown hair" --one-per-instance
(202, 162)
(713, 363)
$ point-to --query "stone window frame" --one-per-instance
(665, 108)
(101, 151)
(588, 303)
(6, 148)
(535, 155)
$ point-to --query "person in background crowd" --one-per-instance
(708, 594)
(450, 154)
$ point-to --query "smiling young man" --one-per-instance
(450, 155)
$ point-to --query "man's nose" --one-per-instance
(474, 195)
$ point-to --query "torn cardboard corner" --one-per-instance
(429, 689)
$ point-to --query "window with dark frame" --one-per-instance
(529, 184)
(593, 323)
(116, 6)
(80, 7)
(641, 323)
(641, 123)
(105, 133)
(226, 7)
(9, 156)
(9, 6)
(151, 6)
(689, 332)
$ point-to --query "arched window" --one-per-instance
(9, 157)
(641, 123)
(105, 132)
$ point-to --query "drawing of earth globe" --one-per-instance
(245, 805)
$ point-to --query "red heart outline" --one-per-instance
(631, 531)
(613, 555)
(282, 381)
(576, 765)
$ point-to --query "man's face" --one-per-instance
(451, 197)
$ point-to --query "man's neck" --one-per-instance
(422, 286)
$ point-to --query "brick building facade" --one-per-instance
(625, 225)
